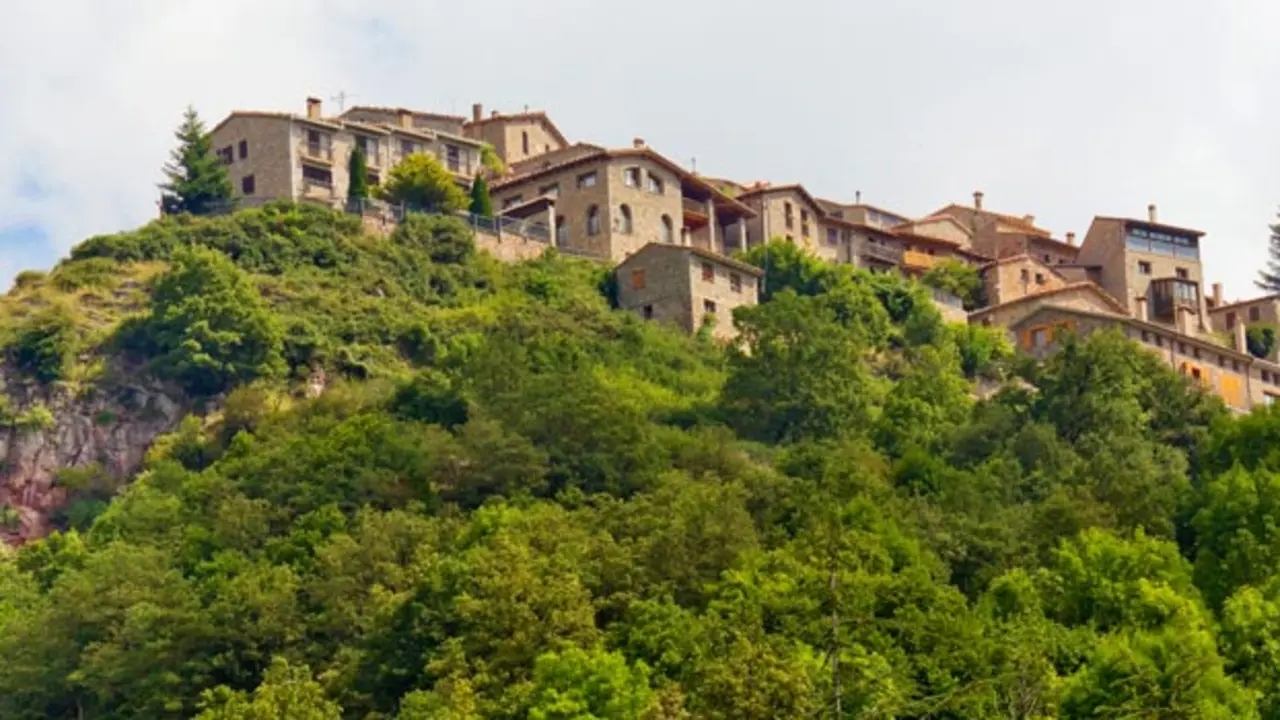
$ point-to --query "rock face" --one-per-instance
(112, 428)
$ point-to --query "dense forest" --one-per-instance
(513, 501)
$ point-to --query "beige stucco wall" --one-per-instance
(270, 156)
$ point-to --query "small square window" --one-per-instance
(407, 147)
(1231, 320)
(655, 184)
(631, 176)
(1144, 267)
(637, 279)
(1025, 275)
(1039, 278)
(647, 311)
(709, 306)
(225, 155)
(552, 190)
(735, 282)
(1046, 258)
(1039, 338)
(1181, 273)
(244, 149)
(1255, 314)
(247, 185)
(587, 180)
(1146, 336)
(708, 272)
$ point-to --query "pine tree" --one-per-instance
(198, 181)
(358, 174)
(1269, 279)
(481, 202)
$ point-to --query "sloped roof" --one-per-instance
(699, 252)
(538, 116)
(1041, 297)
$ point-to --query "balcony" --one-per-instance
(696, 208)
(317, 189)
(320, 151)
(916, 260)
(882, 253)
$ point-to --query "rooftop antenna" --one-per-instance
(341, 99)
(694, 162)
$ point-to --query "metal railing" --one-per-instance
(882, 253)
(496, 224)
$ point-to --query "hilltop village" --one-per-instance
(673, 234)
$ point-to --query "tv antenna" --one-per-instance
(341, 99)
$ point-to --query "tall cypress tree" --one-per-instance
(481, 202)
(1269, 279)
(357, 176)
(198, 181)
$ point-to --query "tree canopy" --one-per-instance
(196, 179)
(421, 182)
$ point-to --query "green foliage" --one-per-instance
(512, 500)
(197, 180)
(1260, 340)
(421, 182)
(45, 344)
(208, 328)
(481, 202)
(788, 266)
(958, 278)
(357, 176)
(489, 158)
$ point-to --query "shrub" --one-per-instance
(1260, 340)
(420, 181)
(447, 240)
(44, 345)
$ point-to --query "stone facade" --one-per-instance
(1016, 277)
(684, 285)
(516, 138)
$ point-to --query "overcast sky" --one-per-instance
(1063, 110)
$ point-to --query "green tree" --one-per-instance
(1269, 278)
(286, 691)
(489, 158)
(357, 176)
(957, 278)
(1261, 340)
(45, 344)
(421, 182)
(580, 685)
(787, 265)
(481, 202)
(197, 179)
(208, 327)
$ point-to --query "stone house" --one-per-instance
(517, 137)
(276, 155)
(997, 235)
(686, 285)
(612, 202)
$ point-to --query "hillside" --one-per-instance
(293, 470)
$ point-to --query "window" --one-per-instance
(593, 220)
(735, 282)
(562, 230)
(1025, 275)
(708, 272)
(524, 141)
(647, 311)
(833, 236)
(587, 180)
(225, 155)
(244, 149)
(247, 185)
(1039, 337)
(1195, 353)
(1182, 348)
(637, 279)
(631, 177)
(318, 176)
(452, 158)
(1231, 320)
(655, 184)
(1146, 336)
(1222, 361)
(1144, 267)
(512, 201)
(786, 214)
(552, 190)
(1180, 272)
(1039, 278)
(1046, 258)
(368, 146)
(624, 219)
(1159, 341)
(668, 230)
(709, 306)
(1255, 314)
(408, 147)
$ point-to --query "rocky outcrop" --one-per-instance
(110, 427)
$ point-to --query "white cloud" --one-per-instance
(1061, 110)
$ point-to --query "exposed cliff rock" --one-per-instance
(110, 427)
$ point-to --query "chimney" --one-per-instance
(1182, 320)
(406, 118)
(477, 112)
(1140, 309)
(1217, 294)
(313, 108)
(977, 199)
(637, 143)
(1151, 212)
(1029, 219)
(493, 114)
(857, 197)
(1071, 238)
(1241, 338)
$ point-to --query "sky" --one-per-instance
(1061, 110)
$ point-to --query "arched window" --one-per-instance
(562, 230)
(668, 230)
(593, 220)
(624, 220)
